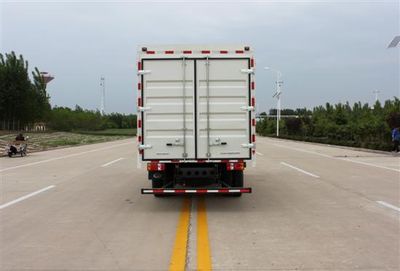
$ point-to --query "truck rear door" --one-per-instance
(168, 109)
(223, 108)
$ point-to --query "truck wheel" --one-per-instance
(157, 183)
(237, 180)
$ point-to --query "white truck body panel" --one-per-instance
(209, 117)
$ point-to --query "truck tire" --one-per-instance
(237, 181)
(237, 178)
(157, 183)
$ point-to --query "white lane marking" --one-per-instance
(297, 149)
(389, 205)
(112, 162)
(369, 164)
(26, 196)
(259, 153)
(63, 157)
(337, 158)
(299, 169)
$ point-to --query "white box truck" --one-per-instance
(196, 119)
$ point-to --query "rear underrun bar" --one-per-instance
(196, 190)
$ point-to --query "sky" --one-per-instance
(327, 51)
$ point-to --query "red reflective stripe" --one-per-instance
(150, 52)
(169, 52)
(179, 191)
(201, 161)
(253, 138)
(139, 138)
(139, 66)
(139, 123)
(139, 86)
(223, 52)
(223, 190)
(140, 151)
(139, 101)
(187, 52)
(224, 161)
(253, 122)
(201, 191)
(244, 190)
(158, 190)
(253, 101)
(252, 62)
(206, 52)
(253, 85)
(239, 51)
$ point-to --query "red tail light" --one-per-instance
(155, 166)
(235, 166)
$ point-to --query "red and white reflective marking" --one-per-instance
(196, 191)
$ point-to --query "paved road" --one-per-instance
(313, 207)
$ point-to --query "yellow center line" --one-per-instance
(178, 258)
(203, 245)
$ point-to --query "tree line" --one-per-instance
(357, 125)
(25, 101)
(67, 119)
(22, 101)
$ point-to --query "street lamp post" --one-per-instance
(277, 95)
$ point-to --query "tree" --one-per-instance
(21, 101)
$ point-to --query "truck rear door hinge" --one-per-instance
(248, 145)
(142, 108)
(141, 72)
(143, 147)
(248, 71)
(247, 108)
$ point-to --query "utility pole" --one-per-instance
(277, 95)
(103, 95)
(376, 92)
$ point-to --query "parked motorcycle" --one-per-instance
(17, 148)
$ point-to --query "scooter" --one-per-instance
(17, 147)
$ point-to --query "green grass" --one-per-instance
(110, 132)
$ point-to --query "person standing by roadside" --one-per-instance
(396, 139)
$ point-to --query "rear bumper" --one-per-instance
(196, 190)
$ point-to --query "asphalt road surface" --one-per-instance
(313, 207)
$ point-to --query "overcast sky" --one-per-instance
(328, 51)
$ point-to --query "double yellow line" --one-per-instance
(179, 254)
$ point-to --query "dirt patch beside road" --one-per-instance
(53, 140)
